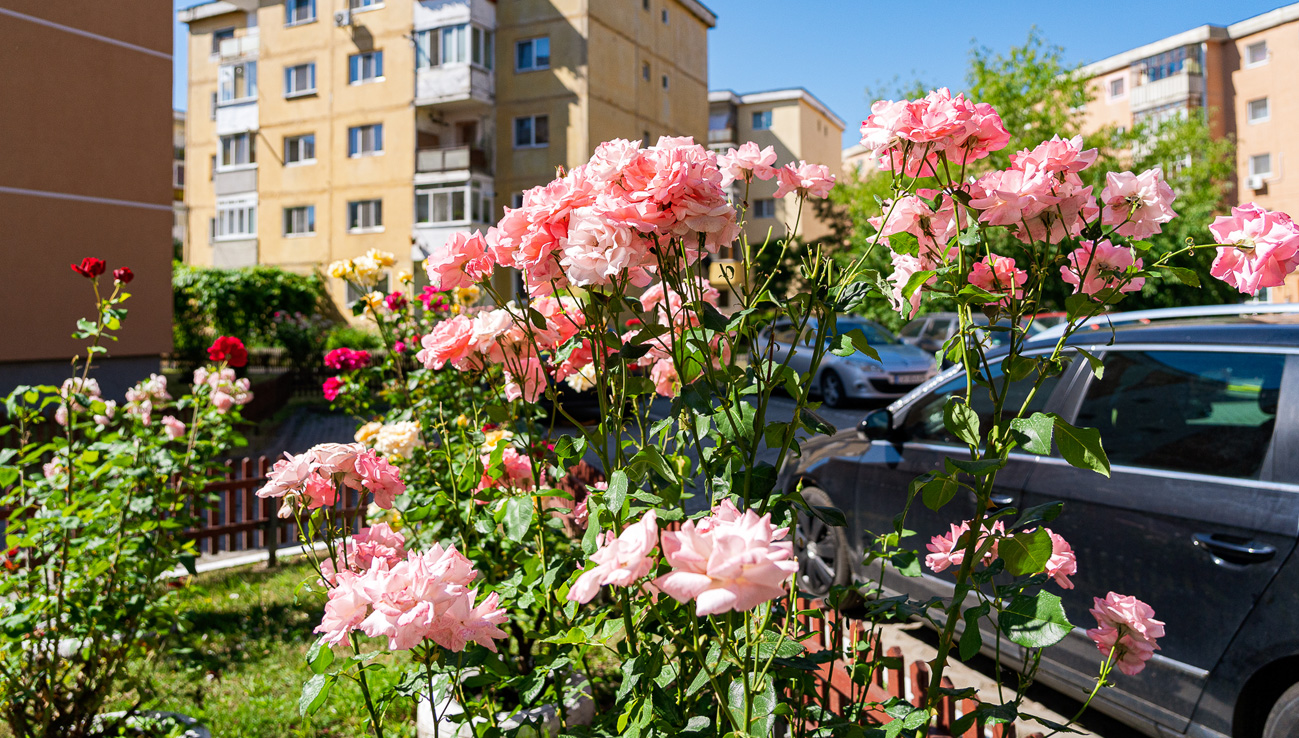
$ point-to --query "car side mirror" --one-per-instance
(876, 426)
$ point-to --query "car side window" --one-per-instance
(937, 330)
(912, 329)
(924, 421)
(784, 334)
(1204, 412)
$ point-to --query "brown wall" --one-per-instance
(86, 118)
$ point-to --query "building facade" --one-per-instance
(84, 145)
(180, 219)
(319, 129)
(1237, 76)
(799, 127)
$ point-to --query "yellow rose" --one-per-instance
(374, 300)
(381, 258)
(405, 277)
(468, 295)
(494, 437)
(461, 421)
(341, 269)
(366, 433)
(365, 271)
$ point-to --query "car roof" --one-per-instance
(1243, 330)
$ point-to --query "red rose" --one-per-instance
(123, 275)
(228, 349)
(332, 387)
(90, 267)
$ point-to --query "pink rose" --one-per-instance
(450, 341)
(173, 427)
(998, 274)
(1126, 630)
(949, 550)
(808, 180)
(460, 261)
(1093, 267)
(380, 477)
(1062, 564)
(1260, 248)
(665, 379)
(331, 389)
(620, 561)
(746, 163)
(904, 266)
(1137, 204)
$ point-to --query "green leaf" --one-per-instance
(320, 657)
(761, 706)
(971, 639)
(906, 562)
(1184, 275)
(915, 281)
(961, 420)
(1035, 621)
(616, 495)
(1043, 513)
(518, 517)
(939, 492)
(314, 693)
(1098, 366)
(1081, 447)
(1018, 367)
(1025, 553)
(979, 468)
(832, 516)
(712, 318)
(860, 343)
(1034, 433)
(814, 422)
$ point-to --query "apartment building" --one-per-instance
(180, 218)
(83, 141)
(798, 126)
(319, 129)
(1236, 75)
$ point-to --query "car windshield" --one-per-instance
(875, 335)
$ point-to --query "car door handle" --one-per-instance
(1247, 552)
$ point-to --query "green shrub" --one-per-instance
(348, 336)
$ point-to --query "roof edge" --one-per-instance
(792, 93)
(701, 11)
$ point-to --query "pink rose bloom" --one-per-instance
(1260, 248)
(1126, 629)
(346, 608)
(1137, 203)
(173, 427)
(913, 215)
(289, 473)
(346, 359)
(620, 561)
(905, 265)
(948, 550)
(460, 261)
(318, 491)
(599, 249)
(379, 543)
(380, 477)
(104, 418)
(1062, 564)
(450, 342)
(1055, 156)
(516, 471)
(665, 379)
(808, 180)
(998, 274)
(338, 458)
(1008, 197)
(1093, 267)
(525, 378)
(330, 389)
(727, 564)
(746, 163)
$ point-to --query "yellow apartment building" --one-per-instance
(1238, 75)
(84, 173)
(180, 219)
(319, 129)
(798, 126)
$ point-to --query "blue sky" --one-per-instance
(839, 48)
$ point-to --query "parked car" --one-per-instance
(901, 368)
(1199, 517)
(929, 332)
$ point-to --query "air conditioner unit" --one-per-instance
(343, 18)
(1255, 182)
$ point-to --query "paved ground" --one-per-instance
(304, 428)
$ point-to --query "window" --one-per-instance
(764, 208)
(459, 44)
(516, 200)
(484, 47)
(365, 140)
(534, 53)
(237, 81)
(299, 11)
(1116, 88)
(211, 172)
(762, 120)
(912, 329)
(236, 219)
(365, 215)
(665, 16)
(454, 203)
(531, 131)
(644, 4)
(924, 422)
(1260, 165)
(300, 221)
(178, 174)
(300, 79)
(238, 150)
(221, 35)
(366, 67)
(645, 139)
(300, 149)
(1190, 411)
(453, 43)
(645, 71)
(214, 106)
(665, 81)
(1169, 63)
(364, 4)
(1259, 110)
(1256, 54)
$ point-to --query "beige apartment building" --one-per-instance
(319, 129)
(798, 126)
(84, 113)
(180, 219)
(1242, 76)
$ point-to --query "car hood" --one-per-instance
(898, 358)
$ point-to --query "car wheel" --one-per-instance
(832, 391)
(1283, 720)
(823, 552)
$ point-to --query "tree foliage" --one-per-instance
(238, 302)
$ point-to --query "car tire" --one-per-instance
(833, 393)
(1283, 720)
(822, 549)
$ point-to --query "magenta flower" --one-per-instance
(332, 388)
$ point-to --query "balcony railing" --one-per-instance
(721, 136)
(240, 46)
(1176, 88)
(455, 83)
(450, 159)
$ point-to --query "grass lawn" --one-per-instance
(240, 663)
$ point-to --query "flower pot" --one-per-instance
(579, 706)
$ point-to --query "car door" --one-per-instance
(1188, 521)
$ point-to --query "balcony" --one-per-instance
(241, 47)
(721, 137)
(455, 83)
(236, 116)
(450, 159)
(1177, 88)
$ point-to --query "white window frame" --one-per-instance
(226, 86)
(1109, 88)
(249, 150)
(1250, 63)
(371, 61)
(475, 203)
(236, 219)
(289, 5)
(764, 204)
(361, 211)
(359, 135)
(533, 144)
(1267, 113)
(432, 49)
(296, 144)
(217, 38)
(533, 64)
(290, 75)
(1253, 159)
(360, 6)
(304, 213)
(766, 117)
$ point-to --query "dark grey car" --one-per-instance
(1199, 518)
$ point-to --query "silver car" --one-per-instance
(901, 368)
